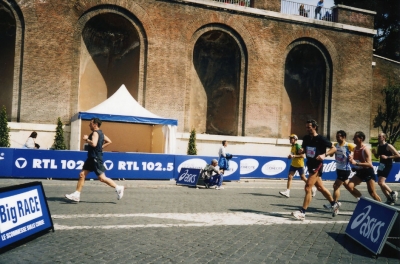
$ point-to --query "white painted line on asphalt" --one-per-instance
(195, 220)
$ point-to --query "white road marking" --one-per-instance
(195, 220)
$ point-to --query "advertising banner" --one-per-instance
(371, 223)
(64, 164)
(199, 162)
(6, 161)
(23, 213)
(188, 176)
(263, 167)
(138, 166)
(67, 164)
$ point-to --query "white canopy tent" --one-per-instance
(120, 108)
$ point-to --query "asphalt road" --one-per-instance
(160, 222)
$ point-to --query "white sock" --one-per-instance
(77, 193)
(288, 191)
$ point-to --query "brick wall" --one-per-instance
(383, 70)
(169, 30)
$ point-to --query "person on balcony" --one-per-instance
(302, 11)
(318, 9)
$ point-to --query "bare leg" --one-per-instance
(81, 180)
(325, 192)
(336, 189)
(303, 178)
(289, 179)
(311, 181)
(103, 178)
(385, 189)
(372, 191)
(351, 187)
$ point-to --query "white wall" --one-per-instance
(19, 133)
(208, 145)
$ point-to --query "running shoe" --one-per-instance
(299, 215)
(217, 188)
(72, 197)
(335, 209)
(313, 191)
(328, 206)
(285, 193)
(394, 196)
(389, 201)
(120, 191)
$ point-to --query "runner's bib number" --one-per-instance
(311, 152)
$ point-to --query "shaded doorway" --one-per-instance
(307, 88)
(7, 57)
(217, 61)
(110, 55)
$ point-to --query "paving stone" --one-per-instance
(256, 243)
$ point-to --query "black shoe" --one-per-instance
(389, 202)
(206, 185)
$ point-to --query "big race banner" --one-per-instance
(24, 213)
(57, 164)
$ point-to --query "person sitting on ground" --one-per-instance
(212, 174)
(30, 142)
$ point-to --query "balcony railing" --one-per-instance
(291, 8)
(234, 2)
(310, 11)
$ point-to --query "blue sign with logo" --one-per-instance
(371, 223)
(64, 164)
(6, 160)
(23, 213)
(263, 167)
(199, 162)
(188, 176)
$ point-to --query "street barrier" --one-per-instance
(64, 164)
(372, 223)
(188, 177)
(24, 213)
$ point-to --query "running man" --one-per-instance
(363, 167)
(94, 162)
(343, 168)
(314, 146)
(386, 153)
(297, 164)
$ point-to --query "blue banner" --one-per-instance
(59, 164)
(188, 176)
(371, 223)
(6, 161)
(23, 212)
(199, 162)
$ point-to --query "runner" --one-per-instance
(386, 153)
(363, 167)
(343, 168)
(94, 162)
(297, 164)
(314, 146)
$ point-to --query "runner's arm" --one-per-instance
(107, 141)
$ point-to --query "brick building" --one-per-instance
(253, 71)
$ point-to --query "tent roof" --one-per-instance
(122, 107)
